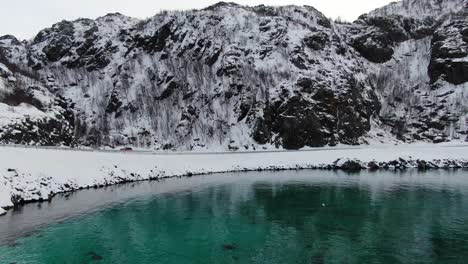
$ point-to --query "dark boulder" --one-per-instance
(299, 61)
(348, 165)
(307, 85)
(373, 166)
(317, 40)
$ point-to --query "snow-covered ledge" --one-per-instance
(37, 174)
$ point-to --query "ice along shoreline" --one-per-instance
(31, 175)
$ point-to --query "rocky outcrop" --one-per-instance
(32, 114)
(449, 57)
(433, 9)
(375, 37)
(422, 84)
(328, 118)
(354, 165)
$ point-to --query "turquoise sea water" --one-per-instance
(287, 217)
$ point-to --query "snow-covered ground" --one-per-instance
(35, 174)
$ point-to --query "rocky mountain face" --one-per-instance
(422, 9)
(424, 84)
(232, 77)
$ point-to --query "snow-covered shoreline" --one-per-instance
(36, 174)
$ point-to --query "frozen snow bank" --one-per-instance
(36, 174)
(2, 211)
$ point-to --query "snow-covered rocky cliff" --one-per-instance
(422, 8)
(232, 77)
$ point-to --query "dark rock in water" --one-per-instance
(422, 165)
(318, 259)
(229, 247)
(95, 256)
(13, 244)
(349, 165)
(17, 200)
(373, 166)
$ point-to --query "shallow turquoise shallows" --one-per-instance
(287, 217)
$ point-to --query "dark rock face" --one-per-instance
(75, 49)
(375, 47)
(335, 119)
(59, 40)
(51, 130)
(449, 53)
(398, 28)
(157, 42)
(45, 132)
(298, 125)
(49, 118)
(375, 37)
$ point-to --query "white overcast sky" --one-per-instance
(24, 18)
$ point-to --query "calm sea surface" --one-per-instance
(268, 217)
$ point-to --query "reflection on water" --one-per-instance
(286, 217)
